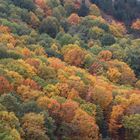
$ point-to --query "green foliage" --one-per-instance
(20, 29)
(89, 108)
(132, 56)
(122, 10)
(131, 124)
(11, 103)
(95, 33)
(117, 51)
(107, 40)
(100, 118)
(9, 54)
(64, 39)
(50, 26)
(84, 10)
(28, 4)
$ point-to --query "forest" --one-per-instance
(69, 70)
(122, 10)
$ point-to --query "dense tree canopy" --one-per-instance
(69, 71)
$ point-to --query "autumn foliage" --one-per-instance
(68, 71)
(5, 86)
(136, 25)
(74, 19)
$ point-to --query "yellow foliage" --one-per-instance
(15, 134)
(33, 120)
(9, 117)
(115, 120)
(55, 48)
(117, 29)
(96, 32)
(8, 38)
(102, 95)
(64, 89)
(68, 110)
(49, 104)
(137, 85)
(124, 73)
(94, 10)
(73, 55)
(16, 77)
(51, 90)
(105, 55)
(35, 124)
(56, 63)
(73, 94)
(113, 74)
(26, 93)
(28, 67)
(40, 51)
(87, 128)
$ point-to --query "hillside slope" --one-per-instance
(66, 73)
